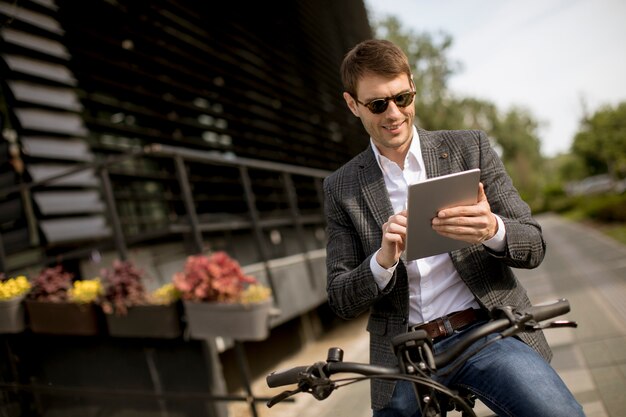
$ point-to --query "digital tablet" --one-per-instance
(425, 199)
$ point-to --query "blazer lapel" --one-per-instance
(436, 153)
(373, 186)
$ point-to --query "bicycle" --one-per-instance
(418, 362)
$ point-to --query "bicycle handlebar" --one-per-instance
(285, 377)
(512, 320)
(548, 311)
(294, 375)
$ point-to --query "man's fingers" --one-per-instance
(481, 192)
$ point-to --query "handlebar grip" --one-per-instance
(548, 311)
(285, 377)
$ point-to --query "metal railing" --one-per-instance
(194, 226)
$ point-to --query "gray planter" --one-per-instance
(235, 321)
(12, 315)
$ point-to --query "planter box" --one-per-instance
(157, 321)
(63, 318)
(12, 315)
(235, 321)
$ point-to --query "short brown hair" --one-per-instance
(376, 56)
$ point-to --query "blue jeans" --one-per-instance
(508, 376)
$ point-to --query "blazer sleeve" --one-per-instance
(525, 246)
(350, 284)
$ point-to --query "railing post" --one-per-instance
(3, 262)
(290, 189)
(185, 189)
(120, 243)
(256, 225)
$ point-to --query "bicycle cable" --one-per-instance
(461, 360)
(425, 381)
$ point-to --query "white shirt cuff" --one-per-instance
(382, 276)
(498, 241)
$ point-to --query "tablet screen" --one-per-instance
(425, 199)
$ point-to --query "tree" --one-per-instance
(436, 107)
(601, 141)
(516, 133)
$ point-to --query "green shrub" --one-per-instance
(606, 208)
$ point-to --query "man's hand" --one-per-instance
(473, 224)
(394, 240)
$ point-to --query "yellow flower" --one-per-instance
(14, 287)
(255, 293)
(165, 294)
(85, 291)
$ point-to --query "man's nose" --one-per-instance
(392, 109)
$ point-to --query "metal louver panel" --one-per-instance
(35, 43)
(85, 178)
(41, 69)
(75, 228)
(31, 17)
(56, 202)
(74, 149)
(51, 131)
(58, 97)
(51, 121)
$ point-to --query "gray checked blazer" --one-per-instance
(357, 205)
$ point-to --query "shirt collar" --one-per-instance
(415, 151)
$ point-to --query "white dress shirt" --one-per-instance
(435, 287)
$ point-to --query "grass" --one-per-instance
(615, 231)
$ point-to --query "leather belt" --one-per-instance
(446, 325)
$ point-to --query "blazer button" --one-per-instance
(444, 155)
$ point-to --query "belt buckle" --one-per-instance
(447, 326)
(444, 327)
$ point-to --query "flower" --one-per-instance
(123, 288)
(14, 287)
(52, 284)
(217, 277)
(166, 294)
(85, 291)
(255, 293)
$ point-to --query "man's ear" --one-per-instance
(352, 104)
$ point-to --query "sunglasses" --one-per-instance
(379, 105)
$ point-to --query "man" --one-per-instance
(365, 209)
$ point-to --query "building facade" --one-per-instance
(152, 130)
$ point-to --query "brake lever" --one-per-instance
(506, 311)
(554, 325)
(320, 386)
(282, 396)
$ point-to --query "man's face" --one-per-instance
(392, 129)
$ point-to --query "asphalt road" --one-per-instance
(581, 265)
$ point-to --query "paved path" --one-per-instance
(581, 265)
(589, 269)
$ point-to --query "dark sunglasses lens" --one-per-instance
(377, 106)
(403, 100)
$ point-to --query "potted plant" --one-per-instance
(57, 304)
(131, 311)
(220, 300)
(12, 292)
